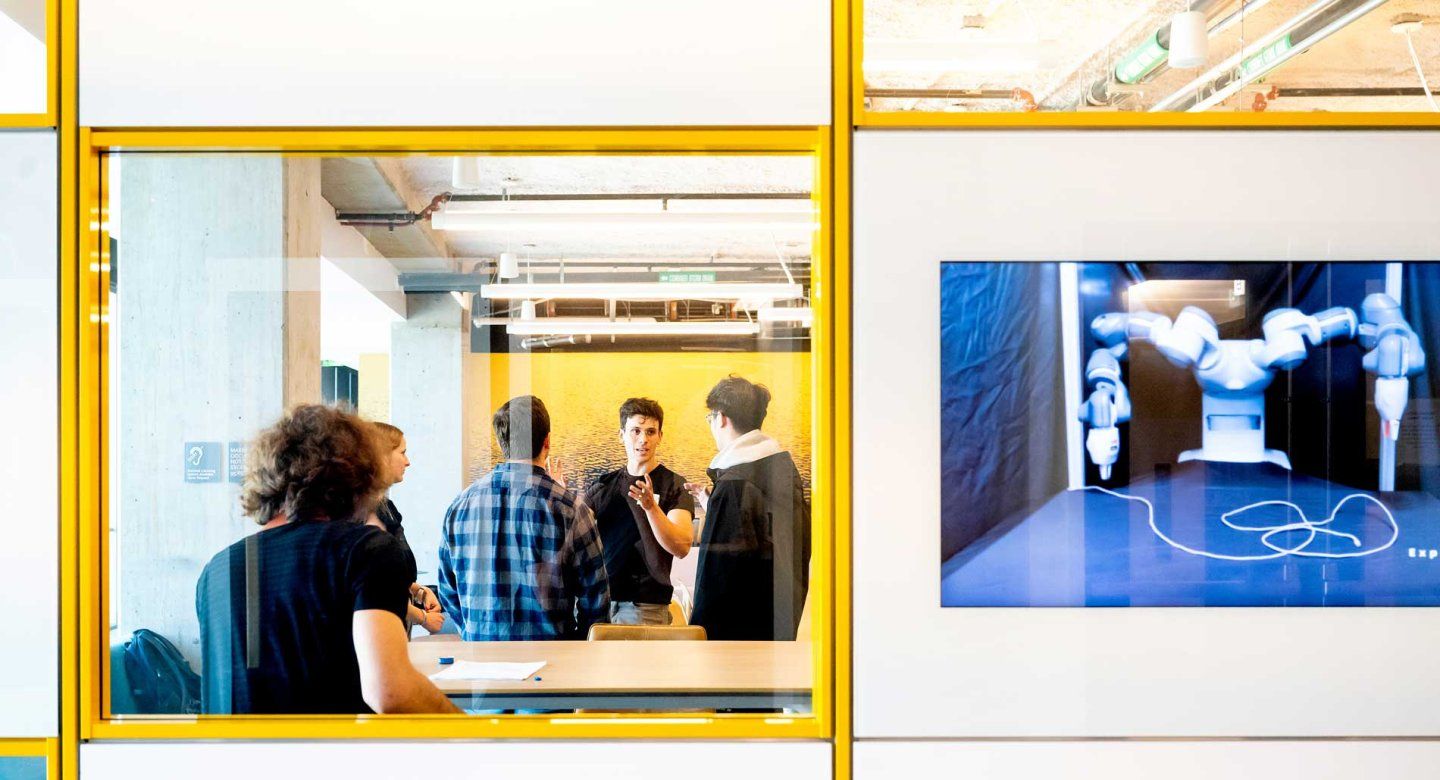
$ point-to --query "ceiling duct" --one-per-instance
(1284, 43)
(1148, 61)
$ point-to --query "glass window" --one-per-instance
(1144, 55)
(24, 59)
(1190, 434)
(537, 413)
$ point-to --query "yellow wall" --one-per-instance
(375, 386)
(583, 392)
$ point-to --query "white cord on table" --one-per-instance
(1315, 529)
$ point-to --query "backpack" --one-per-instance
(161, 681)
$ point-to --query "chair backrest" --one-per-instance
(602, 632)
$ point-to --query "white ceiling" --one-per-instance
(576, 174)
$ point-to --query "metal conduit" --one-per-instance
(1177, 100)
(1287, 45)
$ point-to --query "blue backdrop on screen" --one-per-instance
(1022, 520)
(22, 768)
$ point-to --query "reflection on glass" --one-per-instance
(1150, 55)
(24, 73)
(1190, 434)
(585, 384)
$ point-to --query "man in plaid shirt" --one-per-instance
(520, 557)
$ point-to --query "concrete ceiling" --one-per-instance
(561, 175)
(1084, 38)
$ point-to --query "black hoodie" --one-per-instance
(754, 567)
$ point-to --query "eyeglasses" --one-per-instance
(709, 418)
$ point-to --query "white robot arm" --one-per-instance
(1233, 374)
(1394, 356)
(1107, 407)
(1287, 330)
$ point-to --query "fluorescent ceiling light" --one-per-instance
(557, 327)
(960, 56)
(802, 315)
(644, 291)
(667, 220)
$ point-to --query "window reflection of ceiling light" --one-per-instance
(555, 326)
(643, 291)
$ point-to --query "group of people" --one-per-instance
(312, 614)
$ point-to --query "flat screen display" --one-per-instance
(1172, 434)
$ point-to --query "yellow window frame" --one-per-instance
(48, 749)
(1117, 120)
(84, 352)
(48, 117)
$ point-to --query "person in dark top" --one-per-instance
(424, 607)
(307, 615)
(754, 569)
(644, 514)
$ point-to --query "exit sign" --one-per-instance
(688, 277)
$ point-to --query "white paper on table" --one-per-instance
(488, 670)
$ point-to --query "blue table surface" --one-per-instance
(1089, 549)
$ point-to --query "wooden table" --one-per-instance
(630, 674)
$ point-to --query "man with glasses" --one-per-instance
(754, 567)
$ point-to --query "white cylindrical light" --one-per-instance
(465, 173)
(527, 310)
(1189, 40)
(509, 265)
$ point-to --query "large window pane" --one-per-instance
(1125, 55)
(645, 301)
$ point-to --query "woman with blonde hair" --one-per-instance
(424, 607)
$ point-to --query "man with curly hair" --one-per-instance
(307, 615)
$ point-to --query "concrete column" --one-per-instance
(426, 402)
(218, 332)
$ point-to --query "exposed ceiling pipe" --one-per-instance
(393, 220)
(602, 196)
(396, 219)
(545, 342)
(1344, 92)
(1174, 101)
(1283, 44)
(1147, 60)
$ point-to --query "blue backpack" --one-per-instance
(161, 681)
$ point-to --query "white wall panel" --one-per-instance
(925, 197)
(1148, 760)
(455, 62)
(29, 525)
(459, 760)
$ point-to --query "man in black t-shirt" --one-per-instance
(307, 615)
(644, 514)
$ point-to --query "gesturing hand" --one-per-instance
(700, 493)
(642, 492)
(556, 467)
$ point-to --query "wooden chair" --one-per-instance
(603, 632)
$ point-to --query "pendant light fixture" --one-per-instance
(465, 173)
(509, 266)
(1189, 40)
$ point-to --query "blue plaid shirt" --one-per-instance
(521, 559)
